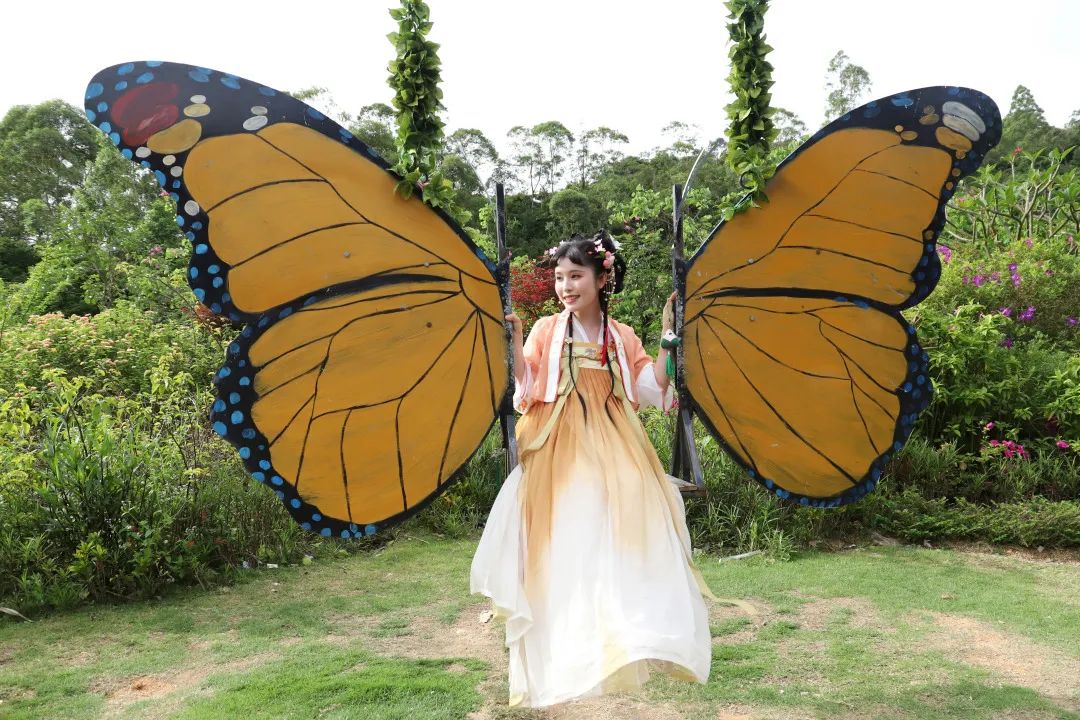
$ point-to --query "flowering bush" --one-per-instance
(532, 290)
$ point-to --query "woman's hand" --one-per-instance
(668, 318)
(518, 345)
(515, 323)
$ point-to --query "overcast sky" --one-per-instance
(633, 66)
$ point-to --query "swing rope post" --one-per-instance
(685, 463)
(506, 411)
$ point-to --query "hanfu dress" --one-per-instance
(585, 553)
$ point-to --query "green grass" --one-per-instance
(331, 640)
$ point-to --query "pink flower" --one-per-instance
(989, 425)
(156, 250)
(1029, 242)
(1062, 445)
(1016, 151)
(1049, 272)
(1016, 280)
(945, 252)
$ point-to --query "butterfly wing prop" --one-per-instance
(796, 355)
(373, 361)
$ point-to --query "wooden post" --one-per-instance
(506, 412)
(685, 463)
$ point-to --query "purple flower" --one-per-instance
(945, 252)
(995, 276)
(978, 280)
(1006, 311)
(1007, 342)
(1016, 280)
(1027, 314)
(1049, 272)
(1029, 242)
(1012, 268)
(966, 280)
(1070, 321)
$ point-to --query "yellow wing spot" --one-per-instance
(952, 139)
(899, 128)
(909, 135)
(956, 172)
(929, 117)
(929, 235)
(197, 110)
(177, 138)
(948, 186)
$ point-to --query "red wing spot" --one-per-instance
(144, 110)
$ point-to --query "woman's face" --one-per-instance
(577, 286)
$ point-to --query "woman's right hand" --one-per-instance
(515, 322)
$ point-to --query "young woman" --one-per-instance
(585, 553)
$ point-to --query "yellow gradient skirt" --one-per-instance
(586, 554)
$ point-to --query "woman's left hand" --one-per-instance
(668, 318)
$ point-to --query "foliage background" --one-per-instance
(113, 487)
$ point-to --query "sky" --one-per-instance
(631, 66)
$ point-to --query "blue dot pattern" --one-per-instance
(915, 392)
(230, 99)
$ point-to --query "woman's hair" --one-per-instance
(601, 254)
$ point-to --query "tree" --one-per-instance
(555, 141)
(846, 84)
(44, 150)
(790, 128)
(1025, 127)
(475, 149)
(374, 125)
(596, 149)
(573, 211)
(118, 220)
(685, 140)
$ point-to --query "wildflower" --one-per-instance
(1007, 342)
(1016, 151)
(995, 276)
(156, 250)
(1012, 267)
(1070, 321)
(1049, 272)
(1029, 242)
(1062, 445)
(989, 425)
(994, 443)
(1016, 280)
(945, 252)
(966, 280)
(978, 280)
(1006, 311)
(1027, 314)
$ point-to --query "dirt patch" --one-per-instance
(745, 712)
(1018, 660)
(1066, 556)
(122, 692)
(614, 707)
(853, 612)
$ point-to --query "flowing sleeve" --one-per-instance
(532, 350)
(648, 390)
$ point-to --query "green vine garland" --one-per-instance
(750, 129)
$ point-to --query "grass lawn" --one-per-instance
(874, 632)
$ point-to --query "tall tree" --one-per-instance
(475, 149)
(596, 149)
(1024, 127)
(790, 127)
(44, 151)
(374, 124)
(555, 140)
(846, 84)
